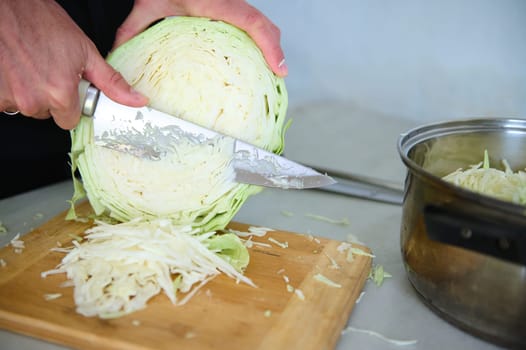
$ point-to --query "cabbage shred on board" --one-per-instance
(121, 266)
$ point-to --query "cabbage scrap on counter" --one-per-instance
(166, 211)
(502, 184)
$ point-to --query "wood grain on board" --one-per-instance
(223, 314)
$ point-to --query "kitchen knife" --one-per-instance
(143, 132)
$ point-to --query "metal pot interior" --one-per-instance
(440, 149)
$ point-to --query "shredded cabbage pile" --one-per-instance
(120, 267)
(502, 184)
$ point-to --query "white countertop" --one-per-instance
(334, 135)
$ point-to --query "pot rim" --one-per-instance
(408, 140)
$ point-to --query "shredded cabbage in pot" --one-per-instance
(502, 184)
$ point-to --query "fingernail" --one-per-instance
(283, 66)
(138, 95)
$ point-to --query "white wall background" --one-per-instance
(415, 59)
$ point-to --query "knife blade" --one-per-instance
(145, 132)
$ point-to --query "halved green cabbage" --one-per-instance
(205, 71)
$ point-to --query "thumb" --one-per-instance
(113, 84)
(137, 21)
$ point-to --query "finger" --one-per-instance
(7, 107)
(113, 84)
(267, 37)
(66, 121)
(139, 19)
(265, 34)
(64, 104)
(31, 105)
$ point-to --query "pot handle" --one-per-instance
(498, 238)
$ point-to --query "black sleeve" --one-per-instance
(98, 18)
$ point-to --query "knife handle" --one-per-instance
(88, 97)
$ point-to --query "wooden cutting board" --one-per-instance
(222, 315)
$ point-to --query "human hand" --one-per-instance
(43, 56)
(236, 12)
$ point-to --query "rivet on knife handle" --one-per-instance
(88, 96)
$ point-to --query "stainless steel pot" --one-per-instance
(465, 253)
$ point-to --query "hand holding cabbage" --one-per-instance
(43, 55)
(236, 12)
